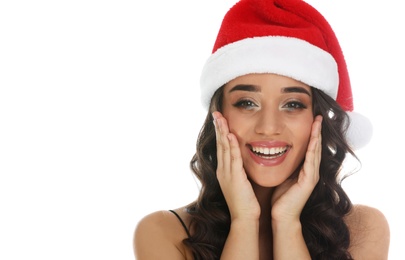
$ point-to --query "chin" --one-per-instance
(271, 179)
(267, 181)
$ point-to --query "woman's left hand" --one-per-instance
(289, 198)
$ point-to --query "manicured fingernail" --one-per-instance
(214, 115)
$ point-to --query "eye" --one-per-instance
(245, 104)
(294, 105)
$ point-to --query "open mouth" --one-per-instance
(269, 153)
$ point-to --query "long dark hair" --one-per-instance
(322, 218)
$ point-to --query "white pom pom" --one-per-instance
(360, 130)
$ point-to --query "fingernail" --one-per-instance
(214, 115)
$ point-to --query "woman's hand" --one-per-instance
(235, 186)
(290, 197)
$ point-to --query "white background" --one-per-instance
(100, 110)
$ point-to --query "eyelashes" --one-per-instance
(292, 105)
(245, 103)
(289, 105)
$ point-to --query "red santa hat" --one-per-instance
(285, 37)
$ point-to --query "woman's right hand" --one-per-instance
(235, 186)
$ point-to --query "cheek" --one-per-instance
(239, 126)
(234, 121)
(302, 130)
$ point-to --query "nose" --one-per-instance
(269, 122)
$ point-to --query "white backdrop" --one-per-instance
(100, 110)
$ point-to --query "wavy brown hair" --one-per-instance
(322, 218)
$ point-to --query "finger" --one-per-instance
(316, 127)
(310, 169)
(235, 155)
(216, 116)
(318, 145)
(315, 139)
(223, 148)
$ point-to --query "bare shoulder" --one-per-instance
(369, 232)
(159, 235)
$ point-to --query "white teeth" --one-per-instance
(269, 151)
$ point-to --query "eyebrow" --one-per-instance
(245, 87)
(295, 90)
(255, 88)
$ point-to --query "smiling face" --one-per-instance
(271, 116)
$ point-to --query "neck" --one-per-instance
(263, 195)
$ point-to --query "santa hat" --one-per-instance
(285, 37)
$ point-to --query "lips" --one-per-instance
(269, 153)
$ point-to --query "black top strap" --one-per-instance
(182, 222)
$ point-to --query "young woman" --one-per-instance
(269, 155)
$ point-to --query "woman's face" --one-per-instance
(271, 116)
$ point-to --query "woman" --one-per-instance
(280, 124)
